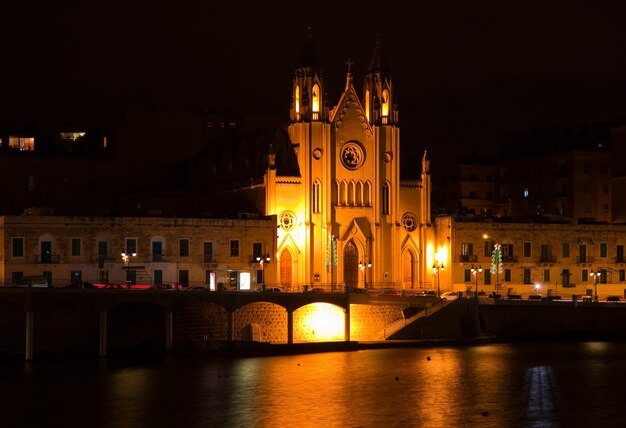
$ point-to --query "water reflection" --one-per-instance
(514, 385)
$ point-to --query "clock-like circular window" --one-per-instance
(409, 222)
(287, 220)
(352, 155)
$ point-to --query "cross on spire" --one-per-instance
(349, 63)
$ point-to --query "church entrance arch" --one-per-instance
(408, 269)
(286, 263)
(351, 265)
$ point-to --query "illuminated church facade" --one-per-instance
(347, 219)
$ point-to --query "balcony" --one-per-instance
(585, 260)
(546, 259)
(467, 258)
(620, 259)
(209, 258)
(48, 258)
(158, 258)
(509, 259)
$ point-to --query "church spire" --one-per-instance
(308, 86)
(378, 93)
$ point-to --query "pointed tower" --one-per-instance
(378, 96)
(308, 88)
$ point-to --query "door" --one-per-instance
(286, 262)
(351, 266)
(407, 269)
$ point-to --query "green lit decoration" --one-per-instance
(496, 259)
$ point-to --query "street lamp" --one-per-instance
(437, 267)
(595, 274)
(262, 260)
(362, 266)
(126, 255)
(475, 271)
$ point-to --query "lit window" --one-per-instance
(22, 143)
(367, 104)
(526, 192)
(316, 98)
(385, 103)
(297, 99)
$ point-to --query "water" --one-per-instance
(501, 385)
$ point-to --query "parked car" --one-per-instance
(31, 282)
(428, 293)
(449, 295)
(273, 290)
(316, 290)
(613, 298)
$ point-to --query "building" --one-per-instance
(345, 217)
(216, 253)
(543, 258)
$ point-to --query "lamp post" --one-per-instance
(595, 274)
(475, 271)
(126, 255)
(262, 260)
(363, 267)
(438, 267)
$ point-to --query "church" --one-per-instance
(346, 219)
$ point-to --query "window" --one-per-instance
(131, 276)
(208, 252)
(507, 275)
(467, 249)
(584, 277)
(604, 276)
(619, 254)
(234, 248)
(603, 250)
(257, 250)
(385, 198)
(546, 275)
(622, 275)
(545, 253)
(367, 104)
(565, 249)
(183, 247)
(467, 273)
(565, 274)
(103, 248)
(582, 253)
(507, 252)
(297, 99)
(315, 196)
(131, 245)
(385, 103)
(315, 106)
(527, 278)
(17, 247)
(527, 249)
(488, 248)
(487, 276)
(48, 275)
(76, 247)
(22, 143)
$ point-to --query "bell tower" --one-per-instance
(378, 96)
(308, 86)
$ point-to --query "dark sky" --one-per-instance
(464, 71)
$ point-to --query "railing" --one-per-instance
(159, 258)
(586, 259)
(48, 258)
(467, 258)
(620, 259)
(546, 259)
(509, 259)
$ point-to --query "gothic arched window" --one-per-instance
(385, 195)
(315, 203)
(385, 106)
(367, 104)
(316, 98)
(297, 99)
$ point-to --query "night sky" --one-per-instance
(464, 71)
